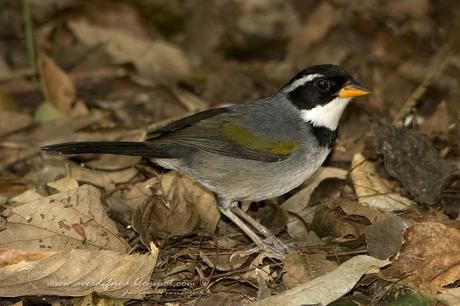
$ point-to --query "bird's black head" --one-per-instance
(318, 85)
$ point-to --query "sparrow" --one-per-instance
(253, 151)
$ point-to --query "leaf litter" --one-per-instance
(96, 216)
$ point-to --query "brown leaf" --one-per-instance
(302, 268)
(173, 205)
(449, 297)
(345, 220)
(46, 223)
(11, 186)
(272, 216)
(11, 122)
(59, 89)
(385, 238)
(372, 190)
(262, 271)
(65, 184)
(158, 60)
(103, 179)
(429, 258)
(11, 257)
(297, 205)
(76, 273)
(26, 144)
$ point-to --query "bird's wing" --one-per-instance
(218, 131)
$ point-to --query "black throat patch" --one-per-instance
(325, 136)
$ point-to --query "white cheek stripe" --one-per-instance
(327, 115)
(302, 81)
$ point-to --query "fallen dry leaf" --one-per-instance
(173, 205)
(158, 60)
(55, 223)
(59, 89)
(262, 271)
(371, 188)
(11, 186)
(104, 179)
(411, 157)
(298, 203)
(272, 216)
(76, 272)
(51, 168)
(11, 257)
(302, 268)
(27, 196)
(429, 258)
(329, 287)
(449, 297)
(385, 237)
(26, 144)
(344, 220)
(11, 122)
(65, 184)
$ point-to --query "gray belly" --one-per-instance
(238, 179)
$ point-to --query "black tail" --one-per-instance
(106, 147)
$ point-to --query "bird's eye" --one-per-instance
(323, 85)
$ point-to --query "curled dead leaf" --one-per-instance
(48, 223)
(65, 184)
(299, 213)
(372, 190)
(158, 60)
(100, 271)
(344, 220)
(59, 89)
(173, 205)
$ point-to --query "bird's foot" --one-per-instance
(270, 244)
(271, 239)
(279, 245)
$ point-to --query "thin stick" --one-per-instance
(30, 43)
(421, 90)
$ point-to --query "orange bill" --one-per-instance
(353, 90)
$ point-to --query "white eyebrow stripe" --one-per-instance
(302, 81)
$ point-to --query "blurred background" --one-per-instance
(129, 57)
(91, 70)
(108, 70)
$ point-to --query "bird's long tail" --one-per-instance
(106, 147)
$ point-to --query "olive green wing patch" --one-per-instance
(215, 131)
(250, 141)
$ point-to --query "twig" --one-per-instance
(412, 101)
(421, 89)
(30, 43)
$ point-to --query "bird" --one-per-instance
(252, 151)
